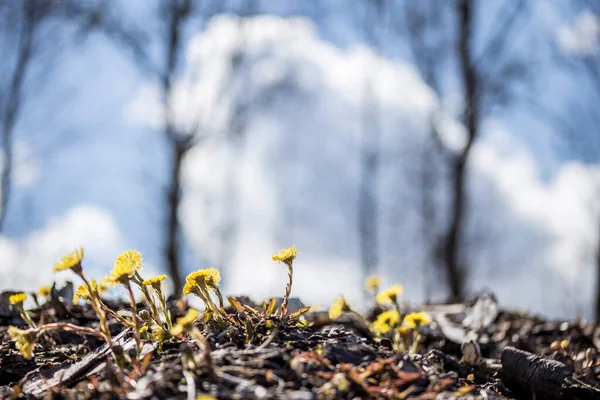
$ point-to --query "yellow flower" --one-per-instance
(71, 261)
(17, 299)
(390, 295)
(155, 280)
(185, 323)
(338, 307)
(414, 320)
(130, 257)
(24, 341)
(190, 288)
(143, 329)
(205, 397)
(208, 277)
(286, 255)
(84, 292)
(385, 321)
(125, 267)
(158, 334)
(404, 330)
(373, 282)
(45, 290)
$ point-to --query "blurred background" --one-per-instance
(448, 145)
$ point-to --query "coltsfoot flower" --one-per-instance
(185, 323)
(44, 290)
(130, 256)
(158, 334)
(373, 282)
(386, 321)
(390, 295)
(24, 340)
(338, 307)
(414, 320)
(190, 288)
(71, 261)
(83, 291)
(125, 267)
(204, 278)
(17, 299)
(155, 280)
(286, 256)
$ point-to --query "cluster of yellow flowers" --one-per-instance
(388, 321)
(125, 271)
(203, 283)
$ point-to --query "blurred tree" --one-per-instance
(443, 43)
(31, 32)
(20, 33)
(578, 53)
(368, 207)
(427, 26)
(176, 17)
(176, 14)
(140, 42)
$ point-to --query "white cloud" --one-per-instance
(581, 37)
(27, 263)
(548, 229)
(297, 174)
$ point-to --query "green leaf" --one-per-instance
(304, 324)
(300, 312)
(271, 307)
(252, 310)
(235, 304)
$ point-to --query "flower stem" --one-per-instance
(397, 308)
(360, 316)
(137, 279)
(136, 322)
(163, 304)
(25, 315)
(102, 320)
(115, 315)
(74, 328)
(220, 296)
(416, 339)
(288, 289)
(217, 313)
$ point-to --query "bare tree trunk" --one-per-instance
(368, 207)
(11, 112)
(179, 142)
(172, 228)
(454, 264)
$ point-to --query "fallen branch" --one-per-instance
(531, 376)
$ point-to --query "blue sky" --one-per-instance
(102, 174)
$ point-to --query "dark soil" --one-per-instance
(324, 361)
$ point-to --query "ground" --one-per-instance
(469, 350)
